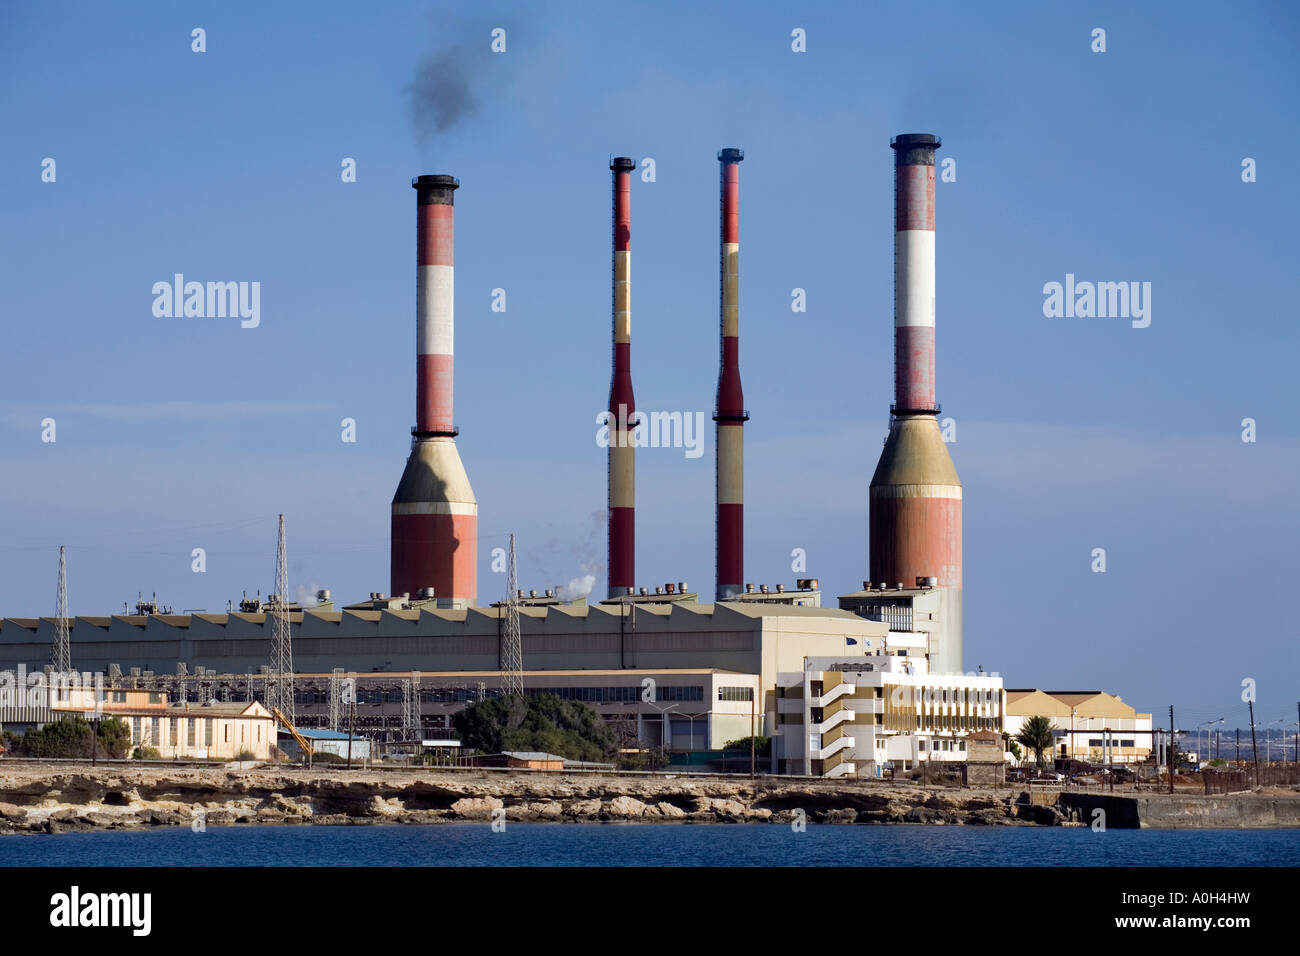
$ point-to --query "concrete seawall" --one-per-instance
(1170, 811)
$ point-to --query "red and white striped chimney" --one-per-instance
(622, 404)
(729, 412)
(915, 492)
(914, 272)
(435, 513)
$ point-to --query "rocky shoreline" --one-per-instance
(56, 799)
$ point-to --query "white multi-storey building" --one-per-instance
(853, 716)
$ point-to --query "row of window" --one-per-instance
(1100, 742)
(950, 722)
(736, 693)
(943, 745)
(119, 697)
(189, 730)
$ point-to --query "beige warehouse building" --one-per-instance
(1087, 723)
(180, 731)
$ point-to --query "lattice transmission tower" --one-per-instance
(411, 707)
(512, 664)
(336, 690)
(61, 652)
(279, 681)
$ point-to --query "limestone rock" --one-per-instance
(583, 808)
(476, 808)
(624, 808)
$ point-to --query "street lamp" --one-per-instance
(1207, 724)
(665, 728)
(1268, 741)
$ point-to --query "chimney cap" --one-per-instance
(909, 140)
(435, 179)
(622, 164)
(730, 155)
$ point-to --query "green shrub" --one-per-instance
(146, 753)
(760, 744)
(114, 737)
(546, 723)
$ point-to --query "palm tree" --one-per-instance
(1036, 734)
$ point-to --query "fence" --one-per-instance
(1231, 781)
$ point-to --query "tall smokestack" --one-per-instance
(622, 405)
(915, 492)
(730, 413)
(435, 513)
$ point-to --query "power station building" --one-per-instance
(684, 674)
(772, 662)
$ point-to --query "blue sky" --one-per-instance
(1072, 434)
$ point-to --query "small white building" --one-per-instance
(851, 716)
(324, 741)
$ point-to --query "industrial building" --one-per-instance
(324, 742)
(708, 660)
(841, 690)
(1089, 725)
(179, 730)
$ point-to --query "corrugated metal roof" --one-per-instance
(323, 734)
(531, 755)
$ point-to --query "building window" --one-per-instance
(1126, 743)
(190, 725)
(155, 738)
(135, 729)
(226, 735)
(155, 697)
(680, 693)
(736, 693)
(208, 735)
(172, 737)
(119, 697)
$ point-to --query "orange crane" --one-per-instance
(301, 740)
